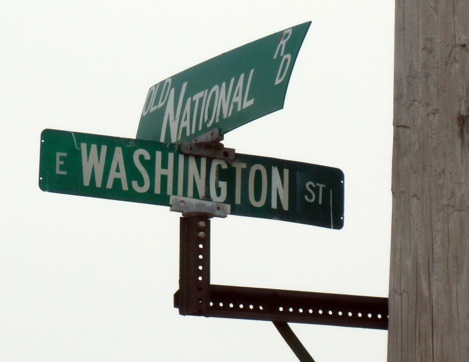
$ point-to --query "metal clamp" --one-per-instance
(208, 145)
(190, 207)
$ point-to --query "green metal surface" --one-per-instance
(224, 92)
(151, 172)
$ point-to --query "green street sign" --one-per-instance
(224, 92)
(153, 173)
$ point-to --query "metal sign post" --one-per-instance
(194, 265)
(197, 297)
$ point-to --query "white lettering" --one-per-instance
(59, 162)
(279, 188)
(198, 177)
(148, 101)
(202, 110)
(238, 166)
(223, 100)
(286, 58)
(321, 186)
(309, 186)
(238, 95)
(215, 182)
(252, 175)
(214, 91)
(163, 96)
(171, 117)
(117, 163)
(160, 171)
(280, 75)
(195, 99)
(281, 45)
(93, 162)
(246, 102)
(186, 117)
(153, 105)
(189, 176)
(311, 198)
(142, 170)
(180, 175)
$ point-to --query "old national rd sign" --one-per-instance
(224, 92)
(151, 172)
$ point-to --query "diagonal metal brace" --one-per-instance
(292, 340)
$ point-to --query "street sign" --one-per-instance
(224, 92)
(152, 172)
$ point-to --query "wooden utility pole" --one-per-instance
(429, 281)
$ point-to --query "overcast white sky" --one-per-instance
(86, 279)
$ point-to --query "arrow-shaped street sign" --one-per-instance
(224, 92)
(154, 173)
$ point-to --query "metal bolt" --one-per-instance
(201, 224)
(201, 235)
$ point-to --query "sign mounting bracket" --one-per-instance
(193, 207)
(198, 297)
(208, 145)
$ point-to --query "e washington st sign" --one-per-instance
(153, 172)
(224, 92)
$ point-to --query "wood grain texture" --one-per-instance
(429, 277)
